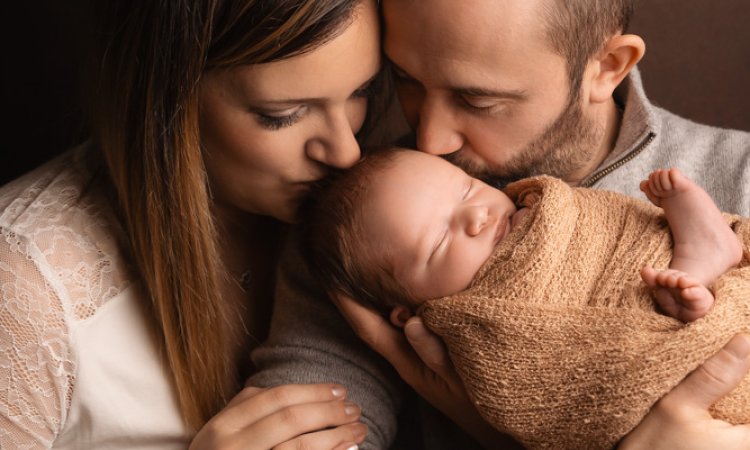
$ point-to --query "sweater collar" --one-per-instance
(639, 118)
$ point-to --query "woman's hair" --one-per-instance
(335, 245)
(144, 114)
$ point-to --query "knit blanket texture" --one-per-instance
(558, 340)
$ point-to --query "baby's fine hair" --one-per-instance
(332, 222)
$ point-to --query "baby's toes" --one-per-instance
(654, 182)
(685, 281)
(675, 177)
(667, 303)
(665, 182)
(696, 301)
(669, 278)
(648, 275)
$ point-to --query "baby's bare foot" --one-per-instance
(678, 294)
(704, 245)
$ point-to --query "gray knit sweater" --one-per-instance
(310, 342)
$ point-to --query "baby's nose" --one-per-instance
(476, 219)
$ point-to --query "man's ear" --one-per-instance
(399, 315)
(612, 64)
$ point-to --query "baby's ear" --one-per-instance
(399, 315)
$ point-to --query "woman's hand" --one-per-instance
(313, 416)
(680, 420)
(420, 358)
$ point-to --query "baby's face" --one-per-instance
(433, 223)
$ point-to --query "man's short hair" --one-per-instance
(577, 29)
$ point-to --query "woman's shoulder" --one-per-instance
(55, 221)
(60, 263)
(50, 191)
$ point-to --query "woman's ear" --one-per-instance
(607, 69)
(399, 315)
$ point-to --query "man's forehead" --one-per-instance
(484, 14)
(469, 29)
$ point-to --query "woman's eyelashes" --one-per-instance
(282, 119)
(275, 121)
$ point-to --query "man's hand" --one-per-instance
(680, 420)
(420, 358)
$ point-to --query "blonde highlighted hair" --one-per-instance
(144, 113)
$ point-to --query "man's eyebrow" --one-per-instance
(474, 91)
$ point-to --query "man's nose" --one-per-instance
(437, 130)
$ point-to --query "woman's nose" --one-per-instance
(335, 145)
(474, 219)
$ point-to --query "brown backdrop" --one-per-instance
(697, 61)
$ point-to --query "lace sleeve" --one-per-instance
(36, 364)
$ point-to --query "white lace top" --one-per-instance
(79, 369)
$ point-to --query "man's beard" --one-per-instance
(563, 148)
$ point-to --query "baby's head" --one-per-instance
(402, 227)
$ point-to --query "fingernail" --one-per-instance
(351, 409)
(353, 447)
(361, 432)
(338, 392)
(414, 328)
(741, 346)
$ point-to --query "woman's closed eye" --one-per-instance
(274, 120)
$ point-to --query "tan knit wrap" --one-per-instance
(557, 339)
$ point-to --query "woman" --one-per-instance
(136, 270)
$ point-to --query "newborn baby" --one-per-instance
(421, 228)
(523, 283)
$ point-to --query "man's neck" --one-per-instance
(607, 116)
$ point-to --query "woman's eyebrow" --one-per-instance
(284, 101)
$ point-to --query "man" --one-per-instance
(512, 88)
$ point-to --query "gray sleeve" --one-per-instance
(310, 342)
